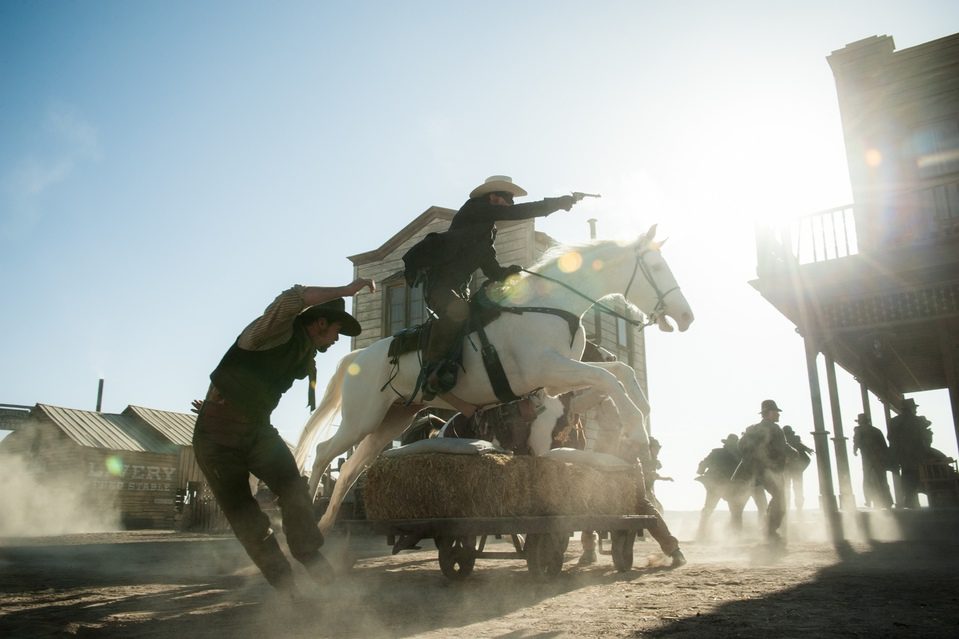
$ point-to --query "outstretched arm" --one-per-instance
(320, 294)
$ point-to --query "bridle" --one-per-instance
(660, 306)
(639, 266)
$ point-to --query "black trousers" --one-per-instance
(227, 451)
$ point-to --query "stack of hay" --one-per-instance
(432, 485)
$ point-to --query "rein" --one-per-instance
(640, 265)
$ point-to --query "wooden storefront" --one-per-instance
(137, 465)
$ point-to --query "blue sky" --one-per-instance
(167, 168)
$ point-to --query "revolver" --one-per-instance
(579, 195)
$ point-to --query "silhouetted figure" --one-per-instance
(715, 473)
(909, 440)
(653, 476)
(764, 450)
(797, 461)
(875, 459)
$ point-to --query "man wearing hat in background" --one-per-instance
(764, 451)
(875, 459)
(797, 461)
(233, 436)
(909, 439)
(465, 247)
(715, 471)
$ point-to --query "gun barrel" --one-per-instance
(579, 195)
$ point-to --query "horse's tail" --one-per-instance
(324, 413)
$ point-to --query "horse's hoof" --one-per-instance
(679, 559)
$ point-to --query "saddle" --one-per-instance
(483, 310)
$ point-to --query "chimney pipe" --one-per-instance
(592, 228)
(100, 395)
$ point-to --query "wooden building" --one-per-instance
(137, 462)
(395, 306)
(873, 286)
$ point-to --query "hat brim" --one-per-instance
(497, 186)
(348, 324)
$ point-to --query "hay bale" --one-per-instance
(431, 485)
(434, 485)
(563, 488)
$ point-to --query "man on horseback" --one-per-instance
(233, 436)
(446, 261)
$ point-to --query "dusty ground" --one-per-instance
(168, 585)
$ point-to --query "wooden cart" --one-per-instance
(541, 541)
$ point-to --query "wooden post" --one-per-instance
(864, 391)
(947, 345)
(827, 497)
(896, 478)
(847, 499)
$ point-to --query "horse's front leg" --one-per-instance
(365, 453)
(562, 373)
(627, 377)
(326, 451)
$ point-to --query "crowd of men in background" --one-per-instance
(770, 460)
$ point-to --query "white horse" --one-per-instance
(537, 350)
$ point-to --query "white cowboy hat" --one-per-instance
(496, 183)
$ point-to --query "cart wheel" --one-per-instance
(622, 549)
(457, 556)
(544, 553)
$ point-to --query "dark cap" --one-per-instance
(769, 404)
(731, 438)
(862, 418)
(788, 429)
(333, 311)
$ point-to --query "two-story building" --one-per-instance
(873, 286)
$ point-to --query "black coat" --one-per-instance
(468, 244)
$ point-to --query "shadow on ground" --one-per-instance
(891, 589)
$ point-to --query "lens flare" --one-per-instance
(570, 262)
(114, 465)
(873, 158)
(353, 369)
(598, 265)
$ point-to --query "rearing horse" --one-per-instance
(537, 350)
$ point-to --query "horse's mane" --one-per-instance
(593, 247)
(596, 249)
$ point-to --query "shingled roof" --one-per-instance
(107, 430)
(177, 427)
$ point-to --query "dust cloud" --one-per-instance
(34, 505)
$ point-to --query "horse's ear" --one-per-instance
(651, 233)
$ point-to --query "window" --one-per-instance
(935, 148)
(623, 341)
(405, 307)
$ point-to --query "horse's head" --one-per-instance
(652, 287)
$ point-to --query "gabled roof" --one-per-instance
(177, 427)
(106, 430)
(408, 231)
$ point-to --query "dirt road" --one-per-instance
(175, 586)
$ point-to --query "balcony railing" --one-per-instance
(814, 237)
(894, 219)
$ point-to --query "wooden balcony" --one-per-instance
(886, 311)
